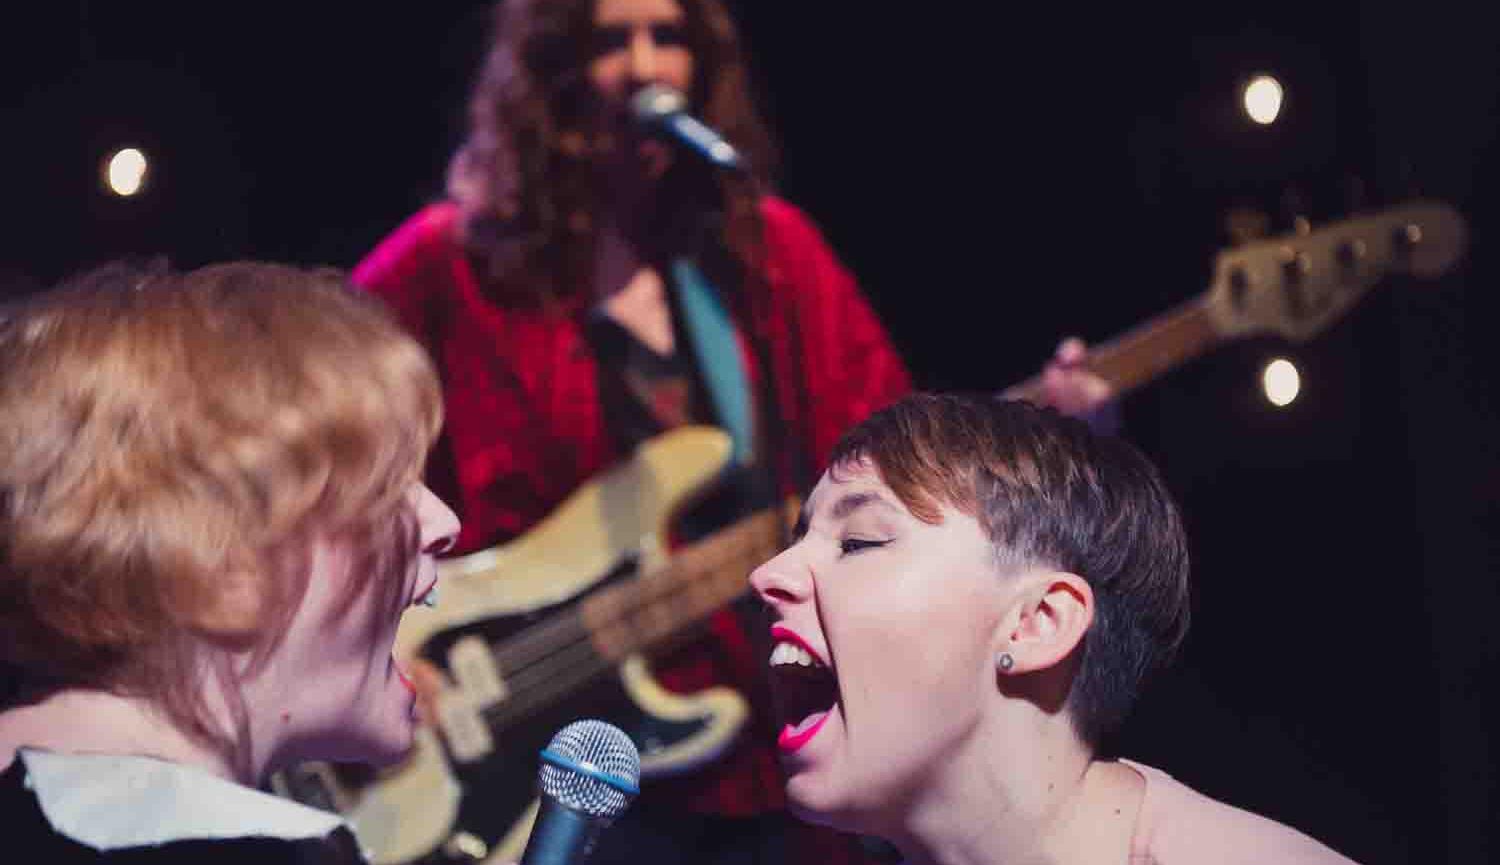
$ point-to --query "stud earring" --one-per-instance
(1004, 661)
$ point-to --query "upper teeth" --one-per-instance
(791, 653)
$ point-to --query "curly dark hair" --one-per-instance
(524, 175)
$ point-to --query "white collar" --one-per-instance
(108, 801)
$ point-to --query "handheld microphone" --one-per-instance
(590, 772)
(663, 110)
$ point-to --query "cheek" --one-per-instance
(607, 75)
(677, 70)
(920, 649)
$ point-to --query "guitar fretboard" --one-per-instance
(1145, 352)
(547, 662)
(702, 577)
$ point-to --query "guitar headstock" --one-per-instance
(1298, 284)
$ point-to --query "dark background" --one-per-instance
(996, 179)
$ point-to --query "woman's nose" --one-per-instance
(438, 524)
(643, 57)
(782, 580)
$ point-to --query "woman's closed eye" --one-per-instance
(849, 546)
(609, 38)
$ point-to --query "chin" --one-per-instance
(380, 741)
(822, 807)
(378, 751)
(391, 746)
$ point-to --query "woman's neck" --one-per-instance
(1030, 793)
(617, 259)
(98, 722)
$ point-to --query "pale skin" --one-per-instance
(641, 45)
(963, 762)
(358, 710)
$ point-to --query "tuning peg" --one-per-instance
(1245, 224)
(1294, 210)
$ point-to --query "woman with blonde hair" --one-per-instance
(211, 518)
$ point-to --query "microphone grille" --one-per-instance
(656, 101)
(586, 764)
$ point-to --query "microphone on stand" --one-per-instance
(663, 110)
(590, 772)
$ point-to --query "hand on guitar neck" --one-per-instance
(1068, 385)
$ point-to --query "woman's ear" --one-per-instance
(1054, 611)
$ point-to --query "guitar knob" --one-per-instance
(1245, 224)
(1294, 209)
(1406, 237)
(1350, 253)
(1294, 265)
(466, 847)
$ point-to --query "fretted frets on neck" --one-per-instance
(1145, 352)
(701, 578)
(555, 658)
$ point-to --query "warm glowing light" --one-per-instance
(1263, 99)
(1281, 382)
(126, 172)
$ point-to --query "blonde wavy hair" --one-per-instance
(172, 446)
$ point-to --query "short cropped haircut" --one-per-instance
(166, 435)
(1049, 492)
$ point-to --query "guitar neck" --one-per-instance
(1145, 352)
(701, 578)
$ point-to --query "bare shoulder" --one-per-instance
(1181, 825)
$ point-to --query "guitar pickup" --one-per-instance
(464, 729)
(473, 669)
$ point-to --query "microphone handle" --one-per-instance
(704, 140)
(561, 835)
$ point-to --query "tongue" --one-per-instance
(807, 723)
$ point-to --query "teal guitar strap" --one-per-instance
(716, 347)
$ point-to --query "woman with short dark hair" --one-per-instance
(975, 595)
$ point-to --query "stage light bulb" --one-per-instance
(1263, 99)
(1281, 382)
(125, 173)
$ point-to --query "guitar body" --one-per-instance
(518, 671)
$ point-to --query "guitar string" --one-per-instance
(1129, 346)
(1122, 358)
(548, 659)
(534, 643)
(559, 672)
